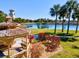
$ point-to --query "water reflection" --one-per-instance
(49, 26)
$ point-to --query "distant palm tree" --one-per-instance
(70, 5)
(55, 12)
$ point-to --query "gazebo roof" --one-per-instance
(7, 36)
(13, 32)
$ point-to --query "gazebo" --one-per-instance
(10, 30)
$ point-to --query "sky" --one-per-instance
(30, 9)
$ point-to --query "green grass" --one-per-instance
(35, 31)
(70, 49)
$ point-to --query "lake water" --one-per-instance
(49, 26)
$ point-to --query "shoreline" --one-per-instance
(58, 23)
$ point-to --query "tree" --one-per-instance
(2, 16)
(19, 20)
(76, 15)
(63, 13)
(70, 5)
(55, 12)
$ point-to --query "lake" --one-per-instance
(49, 26)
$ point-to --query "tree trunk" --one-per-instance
(55, 24)
(76, 26)
(68, 24)
(63, 24)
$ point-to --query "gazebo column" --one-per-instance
(9, 46)
(9, 51)
(28, 46)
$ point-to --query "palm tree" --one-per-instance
(76, 14)
(63, 13)
(77, 24)
(55, 12)
(70, 6)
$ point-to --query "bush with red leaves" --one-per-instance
(41, 36)
(53, 41)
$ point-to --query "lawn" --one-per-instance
(35, 31)
(70, 49)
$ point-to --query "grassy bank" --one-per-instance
(70, 49)
(35, 31)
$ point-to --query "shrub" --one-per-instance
(41, 36)
(52, 43)
(65, 38)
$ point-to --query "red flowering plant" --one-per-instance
(30, 37)
(41, 36)
(54, 42)
(47, 38)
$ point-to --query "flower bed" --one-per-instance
(46, 43)
(52, 43)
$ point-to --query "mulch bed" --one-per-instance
(48, 54)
